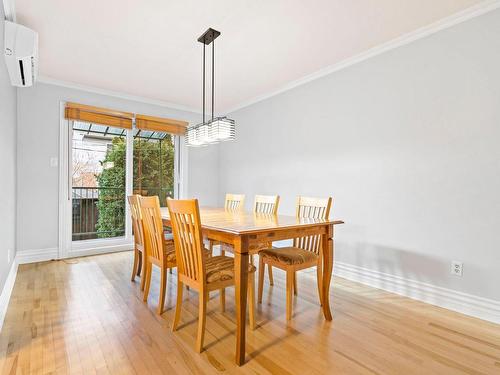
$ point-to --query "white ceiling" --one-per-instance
(148, 48)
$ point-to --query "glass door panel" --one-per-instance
(154, 161)
(98, 181)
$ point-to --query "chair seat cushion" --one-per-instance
(221, 268)
(289, 255)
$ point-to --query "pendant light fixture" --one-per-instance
(216, 129)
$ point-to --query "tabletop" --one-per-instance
(241, 222)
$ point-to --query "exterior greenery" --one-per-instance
(153, 175)
(154, 168)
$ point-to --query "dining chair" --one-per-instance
(263, 204)
(305, 252)
(200, 273)
(232, 203)
(139, 266)
(159, 251)
(266, 204)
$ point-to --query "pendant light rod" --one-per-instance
(203, 82)
(206, 38)
(213, 75)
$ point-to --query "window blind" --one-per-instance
(97, 115)
(160, 124)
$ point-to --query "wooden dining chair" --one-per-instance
(266, 204)
(139, 266)
(304, 253)
(159, 251)
(263, 204)
(232, 203)
(198, 272)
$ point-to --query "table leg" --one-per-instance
(241, 285)
(327, 243)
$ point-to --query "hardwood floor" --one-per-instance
(84, 316)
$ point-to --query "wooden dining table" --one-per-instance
(246, 232)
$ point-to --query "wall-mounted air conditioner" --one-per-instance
(21, 54)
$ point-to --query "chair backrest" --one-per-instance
(234, 202)
(188, 239)
(312, 208)
(135, 211)
(153, 226)
(266, 204)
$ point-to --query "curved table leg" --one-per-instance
(327, 244)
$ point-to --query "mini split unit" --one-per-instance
(21, 54)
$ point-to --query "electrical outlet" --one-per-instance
(457, 268)
(9, 256)
(54, 162)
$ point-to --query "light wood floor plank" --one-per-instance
(84, 316)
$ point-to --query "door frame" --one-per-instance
(67, 248)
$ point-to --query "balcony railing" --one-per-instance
(99, 212)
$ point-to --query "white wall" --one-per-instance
(407, 143)
(7, 166)
(38, 141)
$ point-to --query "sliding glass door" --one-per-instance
(105, 164)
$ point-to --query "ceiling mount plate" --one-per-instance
(209, 36)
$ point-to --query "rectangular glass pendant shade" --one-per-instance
(191, 139)
(214, 131)
(222, 129)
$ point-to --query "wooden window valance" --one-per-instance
(159, 124)
(104, 116)
(97, 115)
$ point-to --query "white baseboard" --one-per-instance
(36, 255)
(7, 291)
(42, 255)
(99, 250)
(468, 304)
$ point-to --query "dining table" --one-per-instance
(246, 232)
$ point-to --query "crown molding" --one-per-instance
(454, 19)
(115, 94)
(9, 10)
